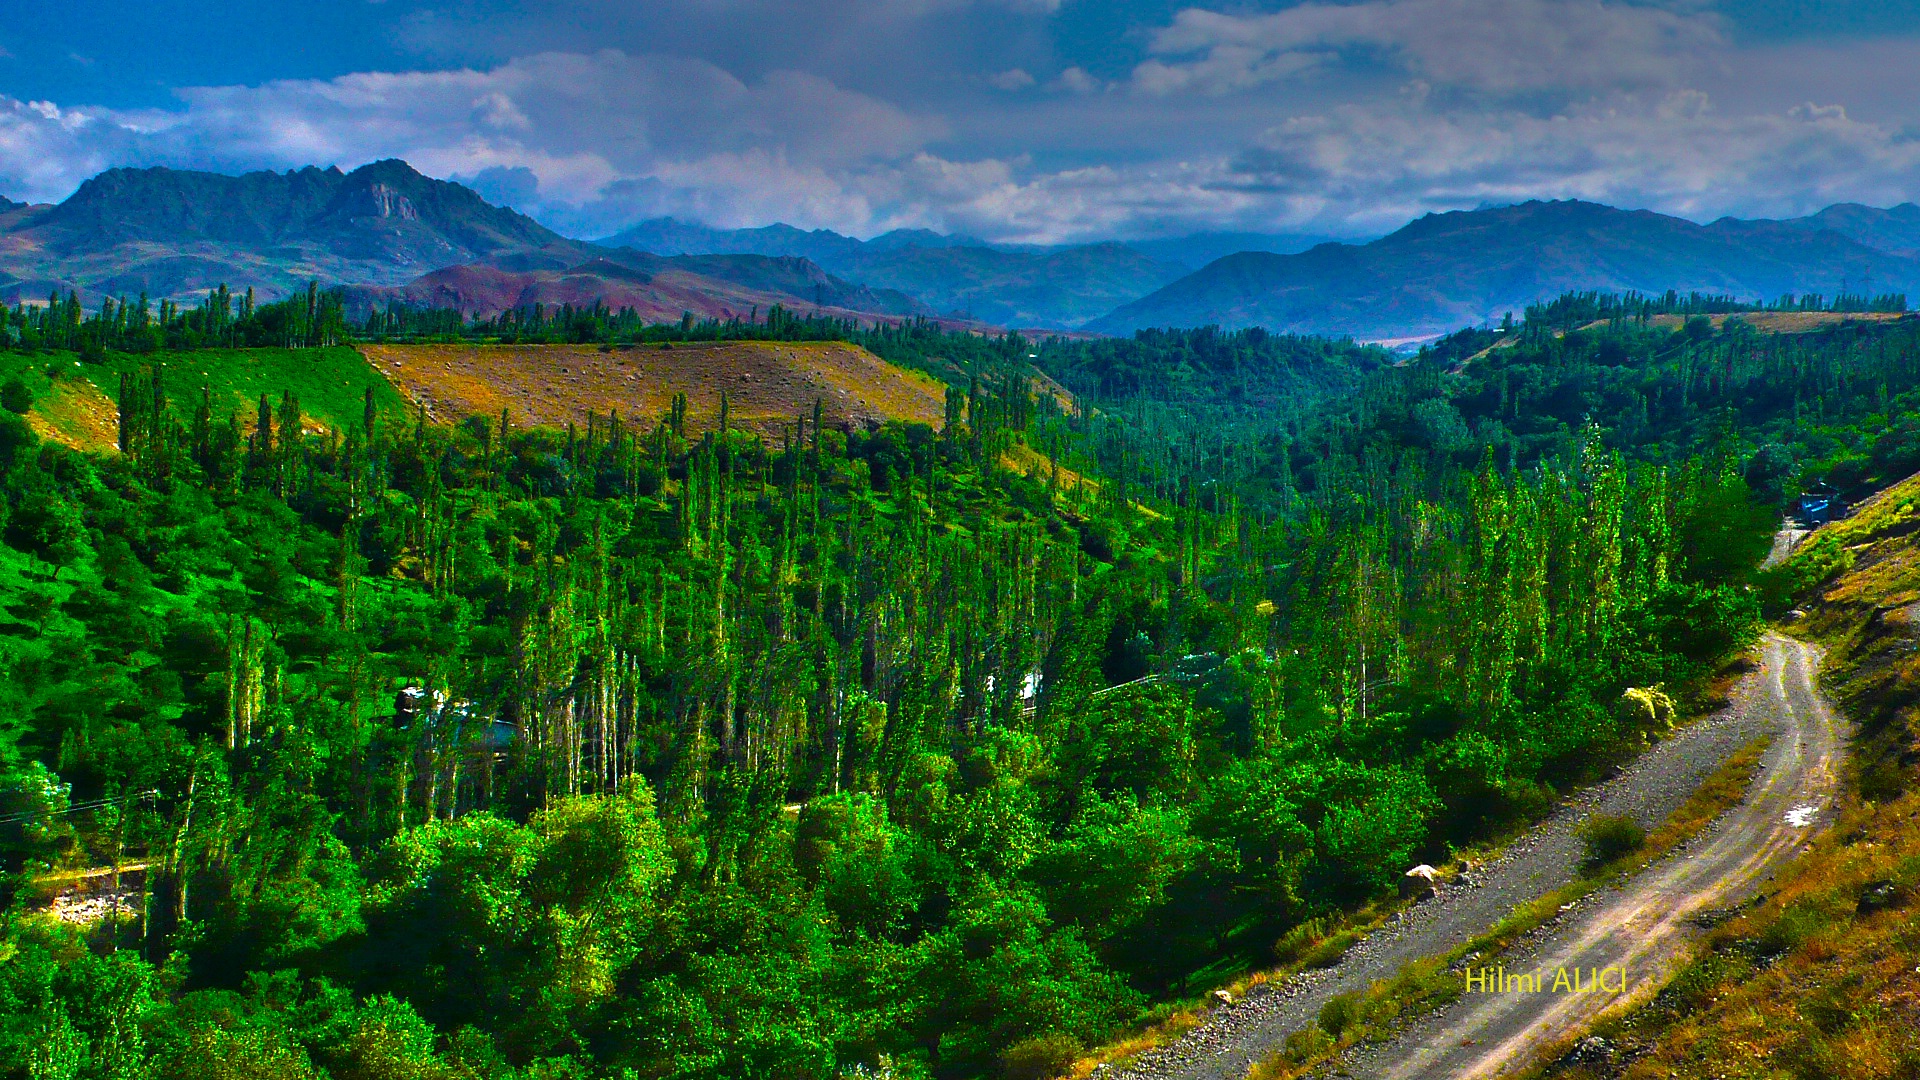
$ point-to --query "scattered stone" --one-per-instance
(1223, 997)
(1878, 895)
(1592, 1050)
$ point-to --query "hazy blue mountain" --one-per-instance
(1895, 229)
(1013, 285)
(1196, 250)
(670, 236)
(1049, 288)
(1448, 270)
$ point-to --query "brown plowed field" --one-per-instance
(768, 383)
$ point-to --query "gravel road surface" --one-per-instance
(1642, 926)
(1776, 699)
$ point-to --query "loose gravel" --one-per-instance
(1232, 1037)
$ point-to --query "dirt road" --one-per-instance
(1784, 542)
(1641, 925)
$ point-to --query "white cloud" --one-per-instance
(1322, 117)
(1497, 45)
(1676, 154)
(1076, 80)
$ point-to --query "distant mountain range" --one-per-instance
(1448, 270)
(1025, 285)
(387, 232)
(395, 236)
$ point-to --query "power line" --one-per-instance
(91, 804)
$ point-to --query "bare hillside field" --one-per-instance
(75, 413)
(1785, 322)
(768, 383)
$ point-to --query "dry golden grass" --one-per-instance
(1807, 984)
(1822, 979)
(768, 383)
(1778, 322)
(1027, 461)
(75, 413)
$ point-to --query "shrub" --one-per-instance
(1294, 943)
(1342, 1012)
(15, 397)
(1040, 1058)
(1609, 836)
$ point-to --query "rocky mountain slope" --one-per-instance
(170, 232)
(1895, 229)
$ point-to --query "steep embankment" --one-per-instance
(768, 383)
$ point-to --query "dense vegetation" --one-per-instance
(483, 751)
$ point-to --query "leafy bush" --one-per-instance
(1608, 837)
(1341, 1012)
(14, 396)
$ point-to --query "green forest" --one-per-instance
(631, 751)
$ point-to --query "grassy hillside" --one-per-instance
(1819, 980)
(74, 403)
(768, 383)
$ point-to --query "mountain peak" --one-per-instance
(168, 231)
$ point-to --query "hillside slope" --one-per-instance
(1447, 270)
(74, 404)
(661, 290)
(768, 383)
(1054, 289)
(1895, 229)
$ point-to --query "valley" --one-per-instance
(531, 659)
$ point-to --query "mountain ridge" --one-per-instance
(1446, 270)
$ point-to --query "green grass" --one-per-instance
(330, 382)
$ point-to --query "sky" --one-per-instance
(1043, 121)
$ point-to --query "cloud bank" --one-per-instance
(1333, 118)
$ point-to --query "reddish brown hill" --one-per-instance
(659, 289)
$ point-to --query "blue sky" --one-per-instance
(1036, 120)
